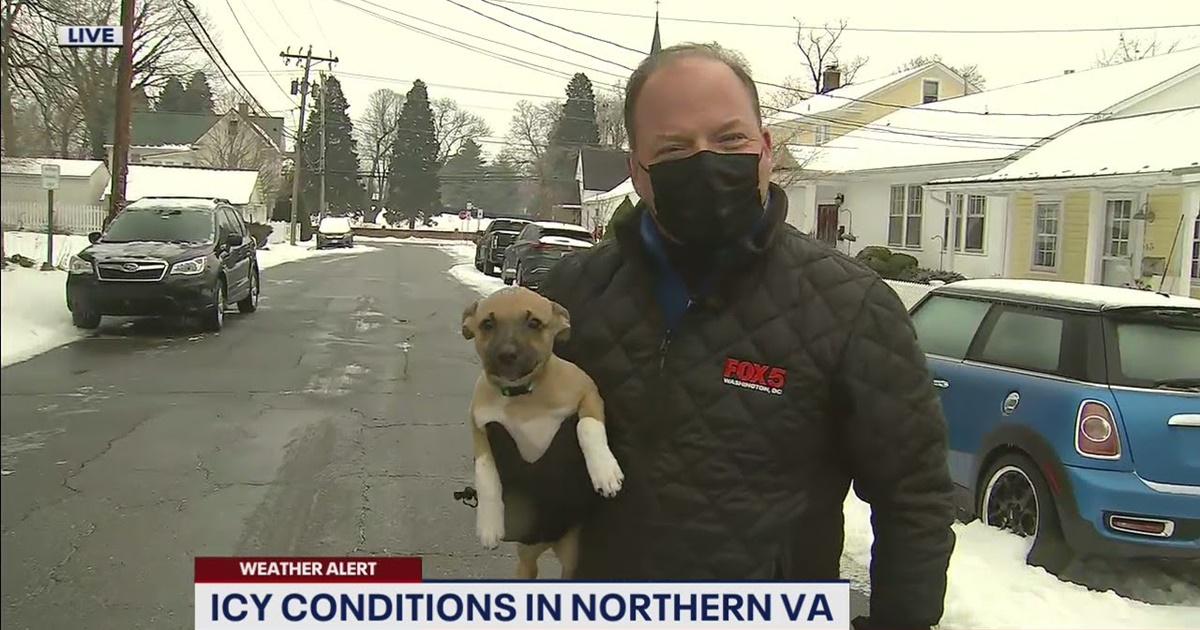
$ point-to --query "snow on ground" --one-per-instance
(33, 314)
(989, 584)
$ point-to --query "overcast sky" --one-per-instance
(395, 55)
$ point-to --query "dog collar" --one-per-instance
(516, 390)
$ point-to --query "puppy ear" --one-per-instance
(468, 320)
(562, 322)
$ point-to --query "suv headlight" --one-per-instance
(79, 265)
(190, 267)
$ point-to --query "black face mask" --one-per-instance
(707, 199)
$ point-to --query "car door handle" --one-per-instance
(941, 383)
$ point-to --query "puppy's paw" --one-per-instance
(489, 524)
(605, 473)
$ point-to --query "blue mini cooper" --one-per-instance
(1073, 411)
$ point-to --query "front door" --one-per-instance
(827, 223)
(1117, 264)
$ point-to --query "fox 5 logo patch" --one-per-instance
(757, 376)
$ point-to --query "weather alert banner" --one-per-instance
(380, 592)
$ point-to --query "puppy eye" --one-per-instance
(535, 323)
(487, 324)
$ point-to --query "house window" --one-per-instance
(1045, 240)
(904, 216)
(970, 215)
(1119, 213)
(929, 91)
(912, 217)
(1196, 252)
(896, 217)
(822, 134)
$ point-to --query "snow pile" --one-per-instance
(33, 313)
(990, 586)
(33, 245)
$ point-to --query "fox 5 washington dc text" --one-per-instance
(379, 592)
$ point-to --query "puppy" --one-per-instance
(530, 392)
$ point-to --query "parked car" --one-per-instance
(1073, 413)
(539, 245)
(489, 249)
(166, 256)
(335, 232)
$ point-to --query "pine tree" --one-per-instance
(171, 99)
(141, 102)
(413, 189)
(576, 128)
(197, 97)
(343, 194)
(462, 176)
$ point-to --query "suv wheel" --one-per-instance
(85, 320)
(504, 276)
(249, 304)
(517, 276)
(479, 266)
(1014, 497)
(214, 319)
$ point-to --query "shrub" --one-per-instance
(926, 276)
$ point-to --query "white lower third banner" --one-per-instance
(525, 604)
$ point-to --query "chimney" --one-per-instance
(244, 110)
(831, 78)
(1068, 72)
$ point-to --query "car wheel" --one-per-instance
(479, 266)
(1015, 498)
(249, 304)
(85, 320)
(214, 319)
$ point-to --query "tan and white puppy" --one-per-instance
(530, 391)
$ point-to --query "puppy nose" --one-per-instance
(507, 356)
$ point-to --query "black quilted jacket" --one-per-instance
(740, 434)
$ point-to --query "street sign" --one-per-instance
(464, 215)
(478, 213)
(90, 36)
(50, 174)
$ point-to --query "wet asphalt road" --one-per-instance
(297, 430)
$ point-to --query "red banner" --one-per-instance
(326, 570)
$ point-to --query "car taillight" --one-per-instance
(1096, 431)
(542, 247)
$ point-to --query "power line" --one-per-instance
(563, 28)
(253, 49)
(236, 81)
(286, 23)
(861, 29)
(536, 36)
(481, 38)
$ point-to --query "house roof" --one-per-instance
(995, 124)
(148, 180)
(847, 94)
(33, 166)
(603, 168)
(620, 190)
(159, 128)
(1144, 143)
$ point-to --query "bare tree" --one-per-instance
(821, 48)
(375, 130)
(1132, 49)
(529, 134)
(454, 125)
(795, 88)
(610, 117)
(237, 143)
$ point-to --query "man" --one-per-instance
(749, 372)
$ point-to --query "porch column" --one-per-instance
(1092, 264)
(807, 222)
(1191, 208)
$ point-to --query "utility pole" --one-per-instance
(120, 151)
(321, 203)
(298, 160)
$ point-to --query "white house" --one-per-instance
(76, 201)
(238, 187)
(873, 182)
(599, 209)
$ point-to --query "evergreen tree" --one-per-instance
(141, 102)
(576, 128)
(462, 176)
(172, 97)
(197, 97)
(343, 194)
(413, 189)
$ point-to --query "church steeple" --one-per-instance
(656, 43)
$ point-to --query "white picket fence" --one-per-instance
(30, 216)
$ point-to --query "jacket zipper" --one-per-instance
(665, 346)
